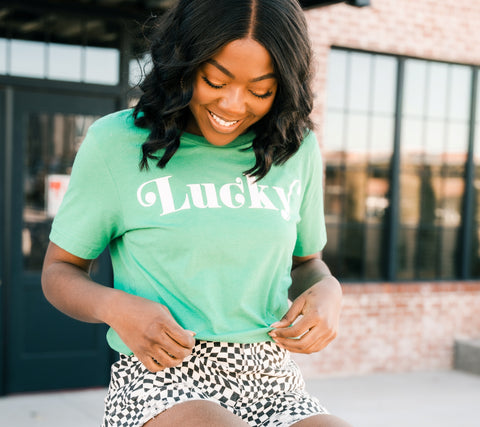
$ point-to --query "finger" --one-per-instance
(295, 331)
(164, 345)
(311, 342)
(183, 337)
(293, 312)
(149, 363)
(168, 352)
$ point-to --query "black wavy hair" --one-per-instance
(193, 32)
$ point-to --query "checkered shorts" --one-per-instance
(258, 382)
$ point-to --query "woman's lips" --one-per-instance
(223, 124)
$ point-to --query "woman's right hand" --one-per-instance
(146, 327)
(151, 332)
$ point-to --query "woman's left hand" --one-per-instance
(311, 323)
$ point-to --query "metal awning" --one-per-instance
(87, 22)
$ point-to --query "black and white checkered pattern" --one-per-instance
(258, 382)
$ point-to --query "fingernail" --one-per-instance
(275, 325)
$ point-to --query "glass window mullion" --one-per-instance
(394, 217)
(465, 260)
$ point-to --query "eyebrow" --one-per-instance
(229, 74)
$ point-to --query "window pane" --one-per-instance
(381, 137)
(52, 142)
(337, 72)
(138, 69)
(436, 90)
(374, 254)
(433, 157)
(475, 226)
(460, 92)
(102, 65)
(334, 193)
(426, 253)
(434, 140)
(377, 189)
(359, 81)
(334, 132)
(410, 198)
(457, 143)
(3, 56)
(27, 59)
(412, 139)
(358, 148)
(385, 72)
(357, 136)
(64, 62)
(414, 88)
(449, 266)
(406, 267)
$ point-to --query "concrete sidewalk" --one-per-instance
(420, 399)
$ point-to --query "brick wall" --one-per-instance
(397, 327)
(446, 30)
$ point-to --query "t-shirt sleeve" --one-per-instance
(90, 214)
(311, 232)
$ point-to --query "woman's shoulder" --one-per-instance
(309, 146)
(309, 139)
(115, 123)
(115, 128)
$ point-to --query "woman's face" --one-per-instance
(232, 91)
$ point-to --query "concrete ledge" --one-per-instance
(467, 356)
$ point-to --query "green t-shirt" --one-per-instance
(198, 236)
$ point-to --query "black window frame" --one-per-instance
(389, 244)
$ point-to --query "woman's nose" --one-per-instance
(234, 103)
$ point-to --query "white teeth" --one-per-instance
(221, 121)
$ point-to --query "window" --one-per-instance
(54, 61)
(358, 149)
(402, 173)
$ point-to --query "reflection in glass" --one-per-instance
(385, 75)
(357, 138)
(27, 59)
(334, 133)
(3, 56)
(138, 68)
(436, 90)
(459, 93)
(59, 62)
(52, 143)
(358, 148)
(414, 88)
(102, 65)
(381, 132)
(475, 226)
(64, 62)
(359, 81)
(336, 89)
(434, 150)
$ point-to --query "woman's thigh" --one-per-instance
(196, 413)
(323, 420)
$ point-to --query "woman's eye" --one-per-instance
(208, 82)
(262, 95)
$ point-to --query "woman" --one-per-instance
(209, 197)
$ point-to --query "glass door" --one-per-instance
(46, 349)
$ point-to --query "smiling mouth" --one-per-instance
(222, 122)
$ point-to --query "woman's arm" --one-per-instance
(146, 327)
(311, 323)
